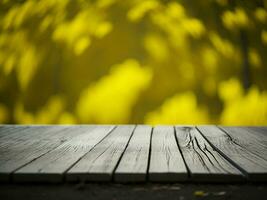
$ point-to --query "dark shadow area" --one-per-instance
(132, 191)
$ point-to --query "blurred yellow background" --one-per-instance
(133, 61)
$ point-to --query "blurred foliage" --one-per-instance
(133, 61)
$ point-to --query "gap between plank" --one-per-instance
(223, 155)
(12, 173)
(149, 154)
(186, 166)
(118, 162)
(229, 159)
(64, 173)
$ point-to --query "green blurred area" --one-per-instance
(133, 61)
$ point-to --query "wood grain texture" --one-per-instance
(22, 133)
(28, 133)
(134, 162)
(254, 139)
(260, 129)
(99, 153)
(7, 130)
(51, 166)
(99, 163)
(166, 162)
(14, 145)
(204, 162)
(20, 149)
(241, 149)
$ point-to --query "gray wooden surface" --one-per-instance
(129, 153)
(34, 142)
(245, 150)
(203, 161)
(8, 130)
(99, 164)
(51, 166)
(166, 163)
(21, 147)
(254, 140)
(134, 163)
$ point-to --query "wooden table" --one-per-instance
(132, 153)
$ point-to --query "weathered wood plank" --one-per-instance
(204, 162)
(166, 162)
(11, 150)
(51, 166)
(134, 162)
(99, 163)
(7, 130)
(237, 148)
(260, 129)
(19, 132)
(33, 145)
(254, 139)
(10, 140)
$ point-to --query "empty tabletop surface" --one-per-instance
(133, 153)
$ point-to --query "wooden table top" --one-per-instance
(132, 153)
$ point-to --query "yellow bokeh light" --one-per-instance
(133, 61)
(110, 100)
(179, 109)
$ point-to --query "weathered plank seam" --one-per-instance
(233, 140)
(225, 156)
(186, 166)
(230, 137)
(64, 173)
(248, 150)
(200, 156)
(149, 154)
(216, 159)
(12, 173)
(118, 162)
(205, 154)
